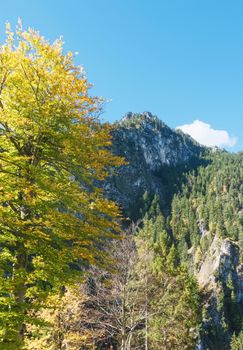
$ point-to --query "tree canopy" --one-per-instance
(53, 151)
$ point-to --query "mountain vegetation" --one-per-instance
(149, 301)
(115, 237)
(208, 211)
(213, 197)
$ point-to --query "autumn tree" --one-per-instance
(106, 311)
(117, 305)
(53, 218)
(147, 301)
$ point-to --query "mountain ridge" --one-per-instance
(152, 151)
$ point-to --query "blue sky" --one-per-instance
(179, 59)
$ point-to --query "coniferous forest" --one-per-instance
(112, 236)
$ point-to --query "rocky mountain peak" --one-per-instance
(153, 151)
(144, 120)
(130, 116)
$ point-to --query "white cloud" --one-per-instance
(206, 135)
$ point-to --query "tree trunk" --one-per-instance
(146, 325)
(123, 341)
(19, 271)
(129, 339)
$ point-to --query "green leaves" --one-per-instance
(53, 150)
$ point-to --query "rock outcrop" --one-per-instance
(220, 278)
(221, 259)
(153, 152)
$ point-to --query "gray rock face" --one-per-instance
(221, 259)
(239, 284)
(220, 277)
(153, 152)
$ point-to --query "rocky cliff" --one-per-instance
(220, 278)
(156, 155)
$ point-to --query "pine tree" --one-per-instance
(237, 341)
(172, 294)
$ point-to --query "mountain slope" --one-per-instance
(200, 191)
(156, 155)
(207, 223)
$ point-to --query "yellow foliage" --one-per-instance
(53, 151)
